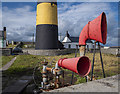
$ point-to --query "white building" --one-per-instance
(3, 38)
(71, 42)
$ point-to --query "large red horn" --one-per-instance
(79, 65)
(95, 30)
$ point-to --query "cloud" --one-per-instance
(20, 23)
(0, 16)
(75, 17)
(60, 0)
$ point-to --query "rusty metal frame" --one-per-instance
(100, 59)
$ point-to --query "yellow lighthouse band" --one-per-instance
(46, 14)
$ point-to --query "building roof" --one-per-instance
(89, 41)
(69, 38)
(66, 39)
(74, 39)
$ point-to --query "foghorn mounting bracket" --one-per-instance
(99, 46)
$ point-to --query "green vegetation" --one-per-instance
(11, 46)
(110, 65)
(5, 59)
(24, 46)
(110, 62)
(24, 65)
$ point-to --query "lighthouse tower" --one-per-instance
(46, 26)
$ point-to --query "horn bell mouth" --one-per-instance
(104, 28)
(83, 66)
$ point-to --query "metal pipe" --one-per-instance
(48, 69)
(93, 61)
(56, 66)
(44, 75)
(101, 60)
(63, 79)
(57, 81)
(44, 68)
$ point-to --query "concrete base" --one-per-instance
(52, 52)
(109, 84)
(18, 86)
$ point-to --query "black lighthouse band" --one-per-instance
(47, 2)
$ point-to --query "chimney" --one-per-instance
(67, 34)
(4, 28)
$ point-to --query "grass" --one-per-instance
(5, 59)
(29, 46)
(11, 46)
(24, 65)
(110, 63)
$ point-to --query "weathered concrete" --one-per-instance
(5, 67)
(109, 84)
(51, 52)
(18, 86)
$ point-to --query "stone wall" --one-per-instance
(5, 51)
(49, 52)
(114, 51)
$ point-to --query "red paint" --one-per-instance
(79, 65)
(95, 30)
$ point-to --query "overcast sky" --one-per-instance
(20, 19)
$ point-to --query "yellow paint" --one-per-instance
(46, 14)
